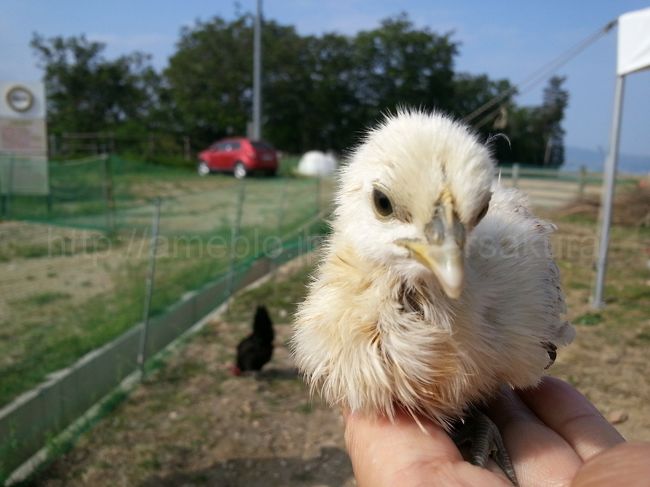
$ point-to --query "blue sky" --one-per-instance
(501, 38)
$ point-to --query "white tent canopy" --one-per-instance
(633, 42)
(633, 55)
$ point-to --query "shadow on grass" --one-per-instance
(331, 468)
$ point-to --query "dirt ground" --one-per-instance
(191, 423)
(194, 424)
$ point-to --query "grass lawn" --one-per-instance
(81, 189)
(66, 291)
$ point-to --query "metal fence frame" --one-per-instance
(31, 420)
(35, 417)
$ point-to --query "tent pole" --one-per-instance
(607, 198)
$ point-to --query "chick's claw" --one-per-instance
(479, 439)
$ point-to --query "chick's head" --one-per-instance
(411, 194)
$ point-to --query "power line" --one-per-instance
(539, 75)
(487, 118)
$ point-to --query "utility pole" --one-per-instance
(257, 74)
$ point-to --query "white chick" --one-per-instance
(436, 286)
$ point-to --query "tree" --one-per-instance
(555, 102)
(319, 91)
(86, 92)
(316, 108)
(288, 87)
(471, 92)
(398, 64)
(209, 78)
(535, 133)
(305, 85)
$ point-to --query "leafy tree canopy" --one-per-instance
(319, 92)
(87, 93)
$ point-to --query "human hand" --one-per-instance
(553, 434)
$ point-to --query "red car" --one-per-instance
(240, 156)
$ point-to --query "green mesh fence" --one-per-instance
(23, 174)
(89, 192)
(72, 277)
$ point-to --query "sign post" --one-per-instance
(23, 139)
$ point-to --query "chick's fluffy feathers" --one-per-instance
(371, 335)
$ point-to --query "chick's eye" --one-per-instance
(382, 203)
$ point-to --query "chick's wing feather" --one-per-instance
(513, 273)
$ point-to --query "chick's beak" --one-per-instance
(443, 256)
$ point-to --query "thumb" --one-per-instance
(625, 464)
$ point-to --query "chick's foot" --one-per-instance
(478, 439)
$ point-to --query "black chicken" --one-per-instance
(256, 349)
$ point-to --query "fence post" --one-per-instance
(582, 181)
(278, 233)
(235, 231)
(4, 187)
(515, 175)
(10, 187)
(63, 146)
(281, 207)
(52, 146)
(319, 184)
(149, 284)
(108, 194)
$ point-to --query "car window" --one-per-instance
(230, 146)
(262, 145)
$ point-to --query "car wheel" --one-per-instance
(203, 169)
(271, 173)
(240, 170)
